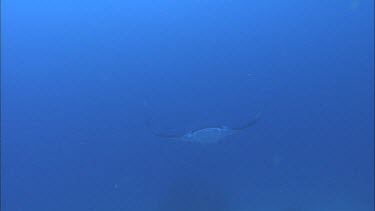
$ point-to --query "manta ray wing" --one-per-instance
(249, 123)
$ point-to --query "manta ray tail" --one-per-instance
(164, 135)
(249, 123)
(158, 134)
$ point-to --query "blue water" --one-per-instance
(85, 84)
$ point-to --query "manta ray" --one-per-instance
(210, 134)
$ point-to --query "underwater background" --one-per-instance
(85, 83)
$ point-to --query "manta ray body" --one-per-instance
(211, 134)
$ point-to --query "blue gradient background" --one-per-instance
(82, 81)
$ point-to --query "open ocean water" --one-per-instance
(92, 91)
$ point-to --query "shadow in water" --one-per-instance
(193, 195)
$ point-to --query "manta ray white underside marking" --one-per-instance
(208, 135)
